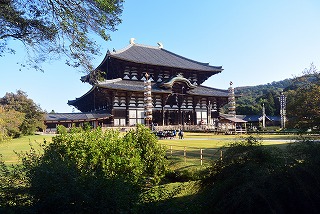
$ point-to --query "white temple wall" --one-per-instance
(136, 116)
(201, 117)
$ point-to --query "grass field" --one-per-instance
(193, 142)
(186, 153)
(211, 141)
(8, 149)
(182, 183)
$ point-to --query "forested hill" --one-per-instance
(252, 98)
(261, 89)
(302, 99)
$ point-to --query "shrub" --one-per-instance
(84, 171)
(151, 153)
(93, 171)
(255, 179)
(14, 194)
(61, 129)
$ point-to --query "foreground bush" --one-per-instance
(256, 179)
(151, 153)
(91, 171)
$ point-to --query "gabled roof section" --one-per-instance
(255, 118)
(88, 116)
(178, 78)
(127, 85)
(137, 86)
(158, 56)
(232, 118)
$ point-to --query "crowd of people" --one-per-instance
(170, 134)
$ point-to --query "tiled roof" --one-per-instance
(275, 118)
(208, 91)
(256, 118)
(253, 118)
(232, 118)
(75, 116)
(158, 56)
(129, 85)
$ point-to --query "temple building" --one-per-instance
(178, 98)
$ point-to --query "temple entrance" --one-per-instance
(173, 117)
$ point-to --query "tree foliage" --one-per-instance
(10, 122)
(303, 100)
(252, 98)
(304, 108)
(302, 93)
(48, 28)
(18, 105)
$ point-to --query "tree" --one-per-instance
(10, 123)
(33, 114)
(49, 28)
(247, 109)
(268, 99)
(303, 102)
(250, 103)
(303, 107)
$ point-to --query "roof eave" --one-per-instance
(216, 70)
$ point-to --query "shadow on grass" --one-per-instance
(192, 203)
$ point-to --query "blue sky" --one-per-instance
(256, 42)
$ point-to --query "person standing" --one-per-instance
(180, 134)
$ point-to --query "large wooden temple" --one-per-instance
(178, 98)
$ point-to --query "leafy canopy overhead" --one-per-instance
(50, 28)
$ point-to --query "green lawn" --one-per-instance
(212, 141)
(186, 196)
(8, 149)
(192, 141)
(211, 147)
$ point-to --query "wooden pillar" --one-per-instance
(162, 111)
(195, 101)
(95, 124)
(164, 99)
(112, 95)
(209, 108)
(128, 98)
(179, 104)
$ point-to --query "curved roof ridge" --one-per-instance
(122, 49)
(109, 81)
(157, 55)
(156, 47)
(218, 89)
(131, 45)
(76, 99)
(148, 46)
(191, 60)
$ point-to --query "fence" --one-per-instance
(196, 155)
